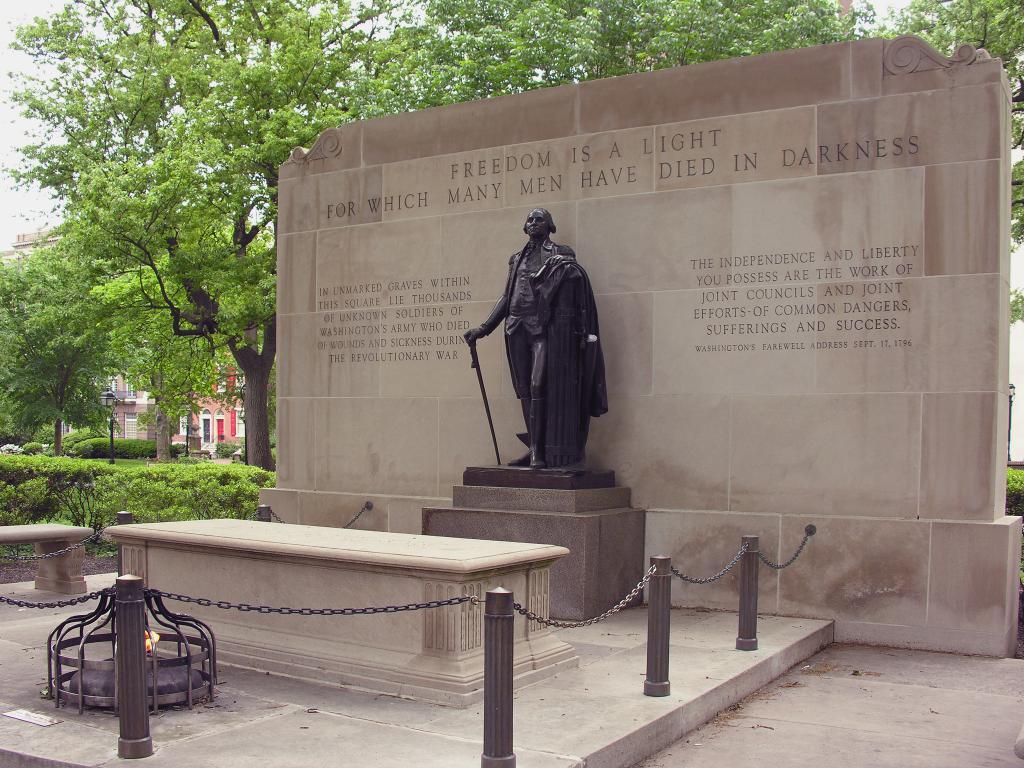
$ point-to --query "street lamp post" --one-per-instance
(108, 399)
(1009, 423)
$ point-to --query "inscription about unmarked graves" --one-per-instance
(410, 320)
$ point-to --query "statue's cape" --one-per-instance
(576, 389)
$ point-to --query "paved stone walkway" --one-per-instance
(595, 715)
(861, 707)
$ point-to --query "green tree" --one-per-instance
(472, 49)
(998, 27)
(164, 125)
(54, 352)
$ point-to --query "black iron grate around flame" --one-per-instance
(181, 669)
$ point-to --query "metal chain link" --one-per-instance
(809, 531)
(58, 603)
(366, 507)
(59, 552)
(274, 516)
(587, 622)
(717, 576)
(246, 607)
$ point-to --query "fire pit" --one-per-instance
(181, 657)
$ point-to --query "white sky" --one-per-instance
(26, 210)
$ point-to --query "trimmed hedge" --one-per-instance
(1015, 492)
(99, 448)
(33, 448)
(38, 488)
(72, 438)
(226, 449)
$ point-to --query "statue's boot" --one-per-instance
(524, 460)
(537, 416)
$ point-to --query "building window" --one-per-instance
(131, 429)
(182, 425)
(207, 427)
(234, 423)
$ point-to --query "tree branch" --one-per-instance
(209, 22)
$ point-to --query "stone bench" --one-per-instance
(434, 655)
(58, 574)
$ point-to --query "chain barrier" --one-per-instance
(587, 622)
(58, 553)
(274, 516)
(246, 607)
(58, 603)
(707, 580)
(809, 531)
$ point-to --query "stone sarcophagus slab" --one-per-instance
(433, 654)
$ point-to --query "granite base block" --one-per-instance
(606, 548)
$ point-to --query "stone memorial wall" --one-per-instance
(801, 263)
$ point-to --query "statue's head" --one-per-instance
(539, 223)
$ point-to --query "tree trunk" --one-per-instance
(58, 437)
(163, 434)
(161, 425)
(256, 367)
(257, 418)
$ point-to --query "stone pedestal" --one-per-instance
(63, 573)
(582, 511)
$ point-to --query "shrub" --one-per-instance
(164, 492)
(99, 448)
(39, 488)
(72, 438)
(225, 450)
(36, 488)
(31, 449)
(1015, 492)
(10, 449)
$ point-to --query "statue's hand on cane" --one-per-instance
(473, 334)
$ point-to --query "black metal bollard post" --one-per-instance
(263, 513)
(659, 620)
(123, 518)
(130, 625)
(499, 621)
(746, 639)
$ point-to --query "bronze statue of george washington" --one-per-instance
(553, 345)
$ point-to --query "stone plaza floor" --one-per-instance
(883, 706)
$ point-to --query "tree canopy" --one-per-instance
(472, 49)
(55, 350)
(164, 129)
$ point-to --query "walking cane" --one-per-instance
(483, 393)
